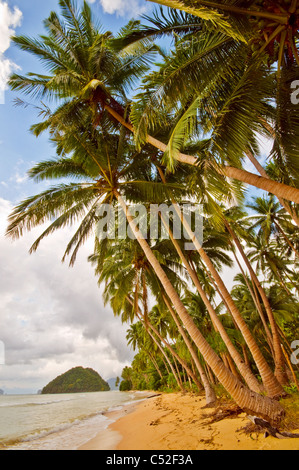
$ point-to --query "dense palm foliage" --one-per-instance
(227, 81)
(212, 98)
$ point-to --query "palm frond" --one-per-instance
(46, 206)
(216, 18)
(182, 131)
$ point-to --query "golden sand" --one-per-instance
(181, 422)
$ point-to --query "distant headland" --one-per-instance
(77, 380)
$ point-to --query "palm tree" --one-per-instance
(270, 219)
(104, 162)
(223, 85)
(210, 393)
(245, 371)
(272, 265)
(124, 263)
(284, 310)
(91, 84)
(272, 385)
(67, 202)
(84, 68)
(229, 381)
(231, 223)
(138, 339)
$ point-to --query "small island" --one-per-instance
(77, 380)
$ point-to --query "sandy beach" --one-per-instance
(181, 422)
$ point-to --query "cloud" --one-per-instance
(130, 8)
(52, 316)
(9, 20)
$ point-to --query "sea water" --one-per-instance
(57, 422)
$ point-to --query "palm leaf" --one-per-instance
(181, 132)
(217, 19)
(46, 206)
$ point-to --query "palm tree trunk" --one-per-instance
(159, 346)
(256, 301)
(232, 365)
(282, 232)
(178, 372)
(174, 354)
(280, 371)
(246, 399)
(281, 281)
(209, 391)
(245, 371)
(291, 369)
(263, 173)
(155, 365)
(278, 189)
(210, 374)
(178, 381)
(270, 382)
(244, 350)
(165, 365)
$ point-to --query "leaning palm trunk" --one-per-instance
(178, 381)
(273, 387)
(170, 349)
(282, 232)
(278, 189)
(256, 300)
(159, 346)
(209, 391)
(155, 364)
(148, 325)
(244, 369)
(270, 382)
(263, 173)
(251, 402)
(279, 360)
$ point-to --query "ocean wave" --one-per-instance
(42, 403)
(64, 427)
(61, 434)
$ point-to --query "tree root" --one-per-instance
(269, 430)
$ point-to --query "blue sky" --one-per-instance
(52, 317)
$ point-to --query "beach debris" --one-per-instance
(224, 411)
(270, 430)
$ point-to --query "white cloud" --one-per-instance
(131, 8)
(9, 20)
(52, 316)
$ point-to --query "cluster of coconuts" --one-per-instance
(263, 28)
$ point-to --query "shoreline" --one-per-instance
(110, 438)
(180, 422)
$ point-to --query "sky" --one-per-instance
(52, 317)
